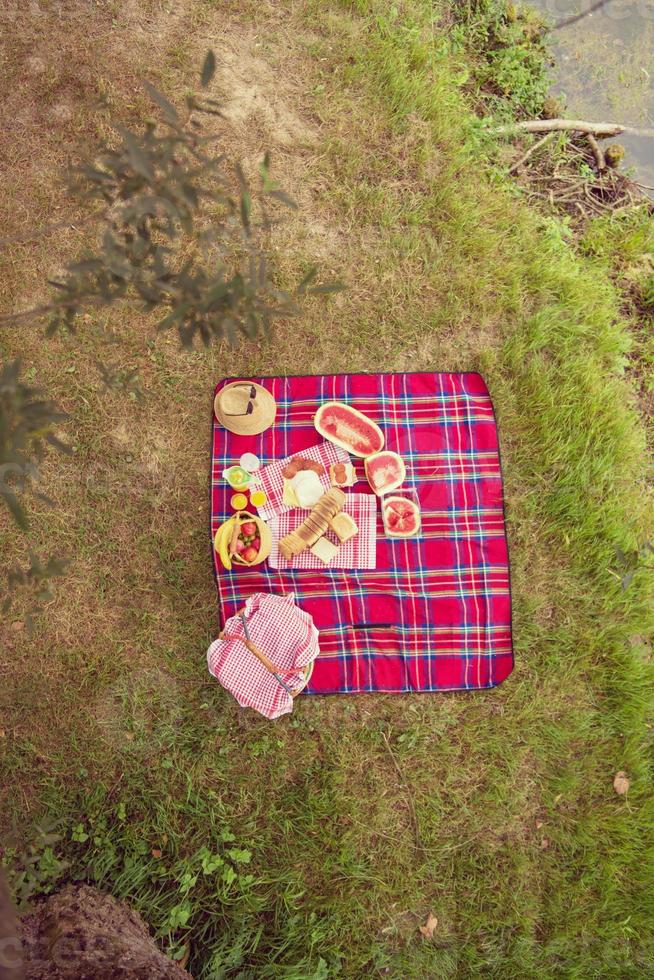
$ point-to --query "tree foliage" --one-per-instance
(27, 427)
(179, 232)
(27, 422)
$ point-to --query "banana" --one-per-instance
(225, 542)
(217, 536)
(222, 540)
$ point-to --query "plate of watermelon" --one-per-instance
(400, 511)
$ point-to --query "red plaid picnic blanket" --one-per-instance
(435, 614)
(359, 552)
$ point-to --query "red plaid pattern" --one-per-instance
(435, 614)
(270, 478)
(359, 552)
(278, 628)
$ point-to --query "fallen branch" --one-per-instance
(601, 129)
(598, 152)
(530, 152)
(567, 21)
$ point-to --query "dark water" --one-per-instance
(605, 68)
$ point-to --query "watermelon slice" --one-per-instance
(385, 471)
(348, 428)
(401, 517)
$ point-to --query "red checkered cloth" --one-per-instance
(269, 478)
(359, 552)
(435, 614)
(281, 631)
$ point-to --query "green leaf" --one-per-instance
(94, 174)
(208, 68)
(86, 265)
(137, 157)
(242, 179)
(251, 326)
(229, 875)
(217, 292)
(264, 169)
(175, 315)
(168, 109)
(246, 209)
(151, 296)
(211, 863)
(211, 112)
(310, 276)
(328, 287)
(58, 444)
(283, 197)
(229, 328)
(17, 512)
(190, 193)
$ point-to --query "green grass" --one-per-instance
(289, 850)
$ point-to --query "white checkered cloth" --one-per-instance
(269, 478)
(280, 630)
(359, 552)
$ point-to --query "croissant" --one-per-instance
(314, 526)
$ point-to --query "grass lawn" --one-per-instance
(288, 849)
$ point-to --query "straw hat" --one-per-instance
(244, 407)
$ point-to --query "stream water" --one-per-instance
(605, 68)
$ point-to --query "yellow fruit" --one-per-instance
(225, 539)
(258, 498)
(222, 540)
(217, 536)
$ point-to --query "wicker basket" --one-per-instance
(305, 672)
(265, 537)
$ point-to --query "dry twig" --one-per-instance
(567, 21)
(530, 152)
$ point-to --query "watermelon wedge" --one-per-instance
(385, 471)
(348, 428)
(401, 517)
